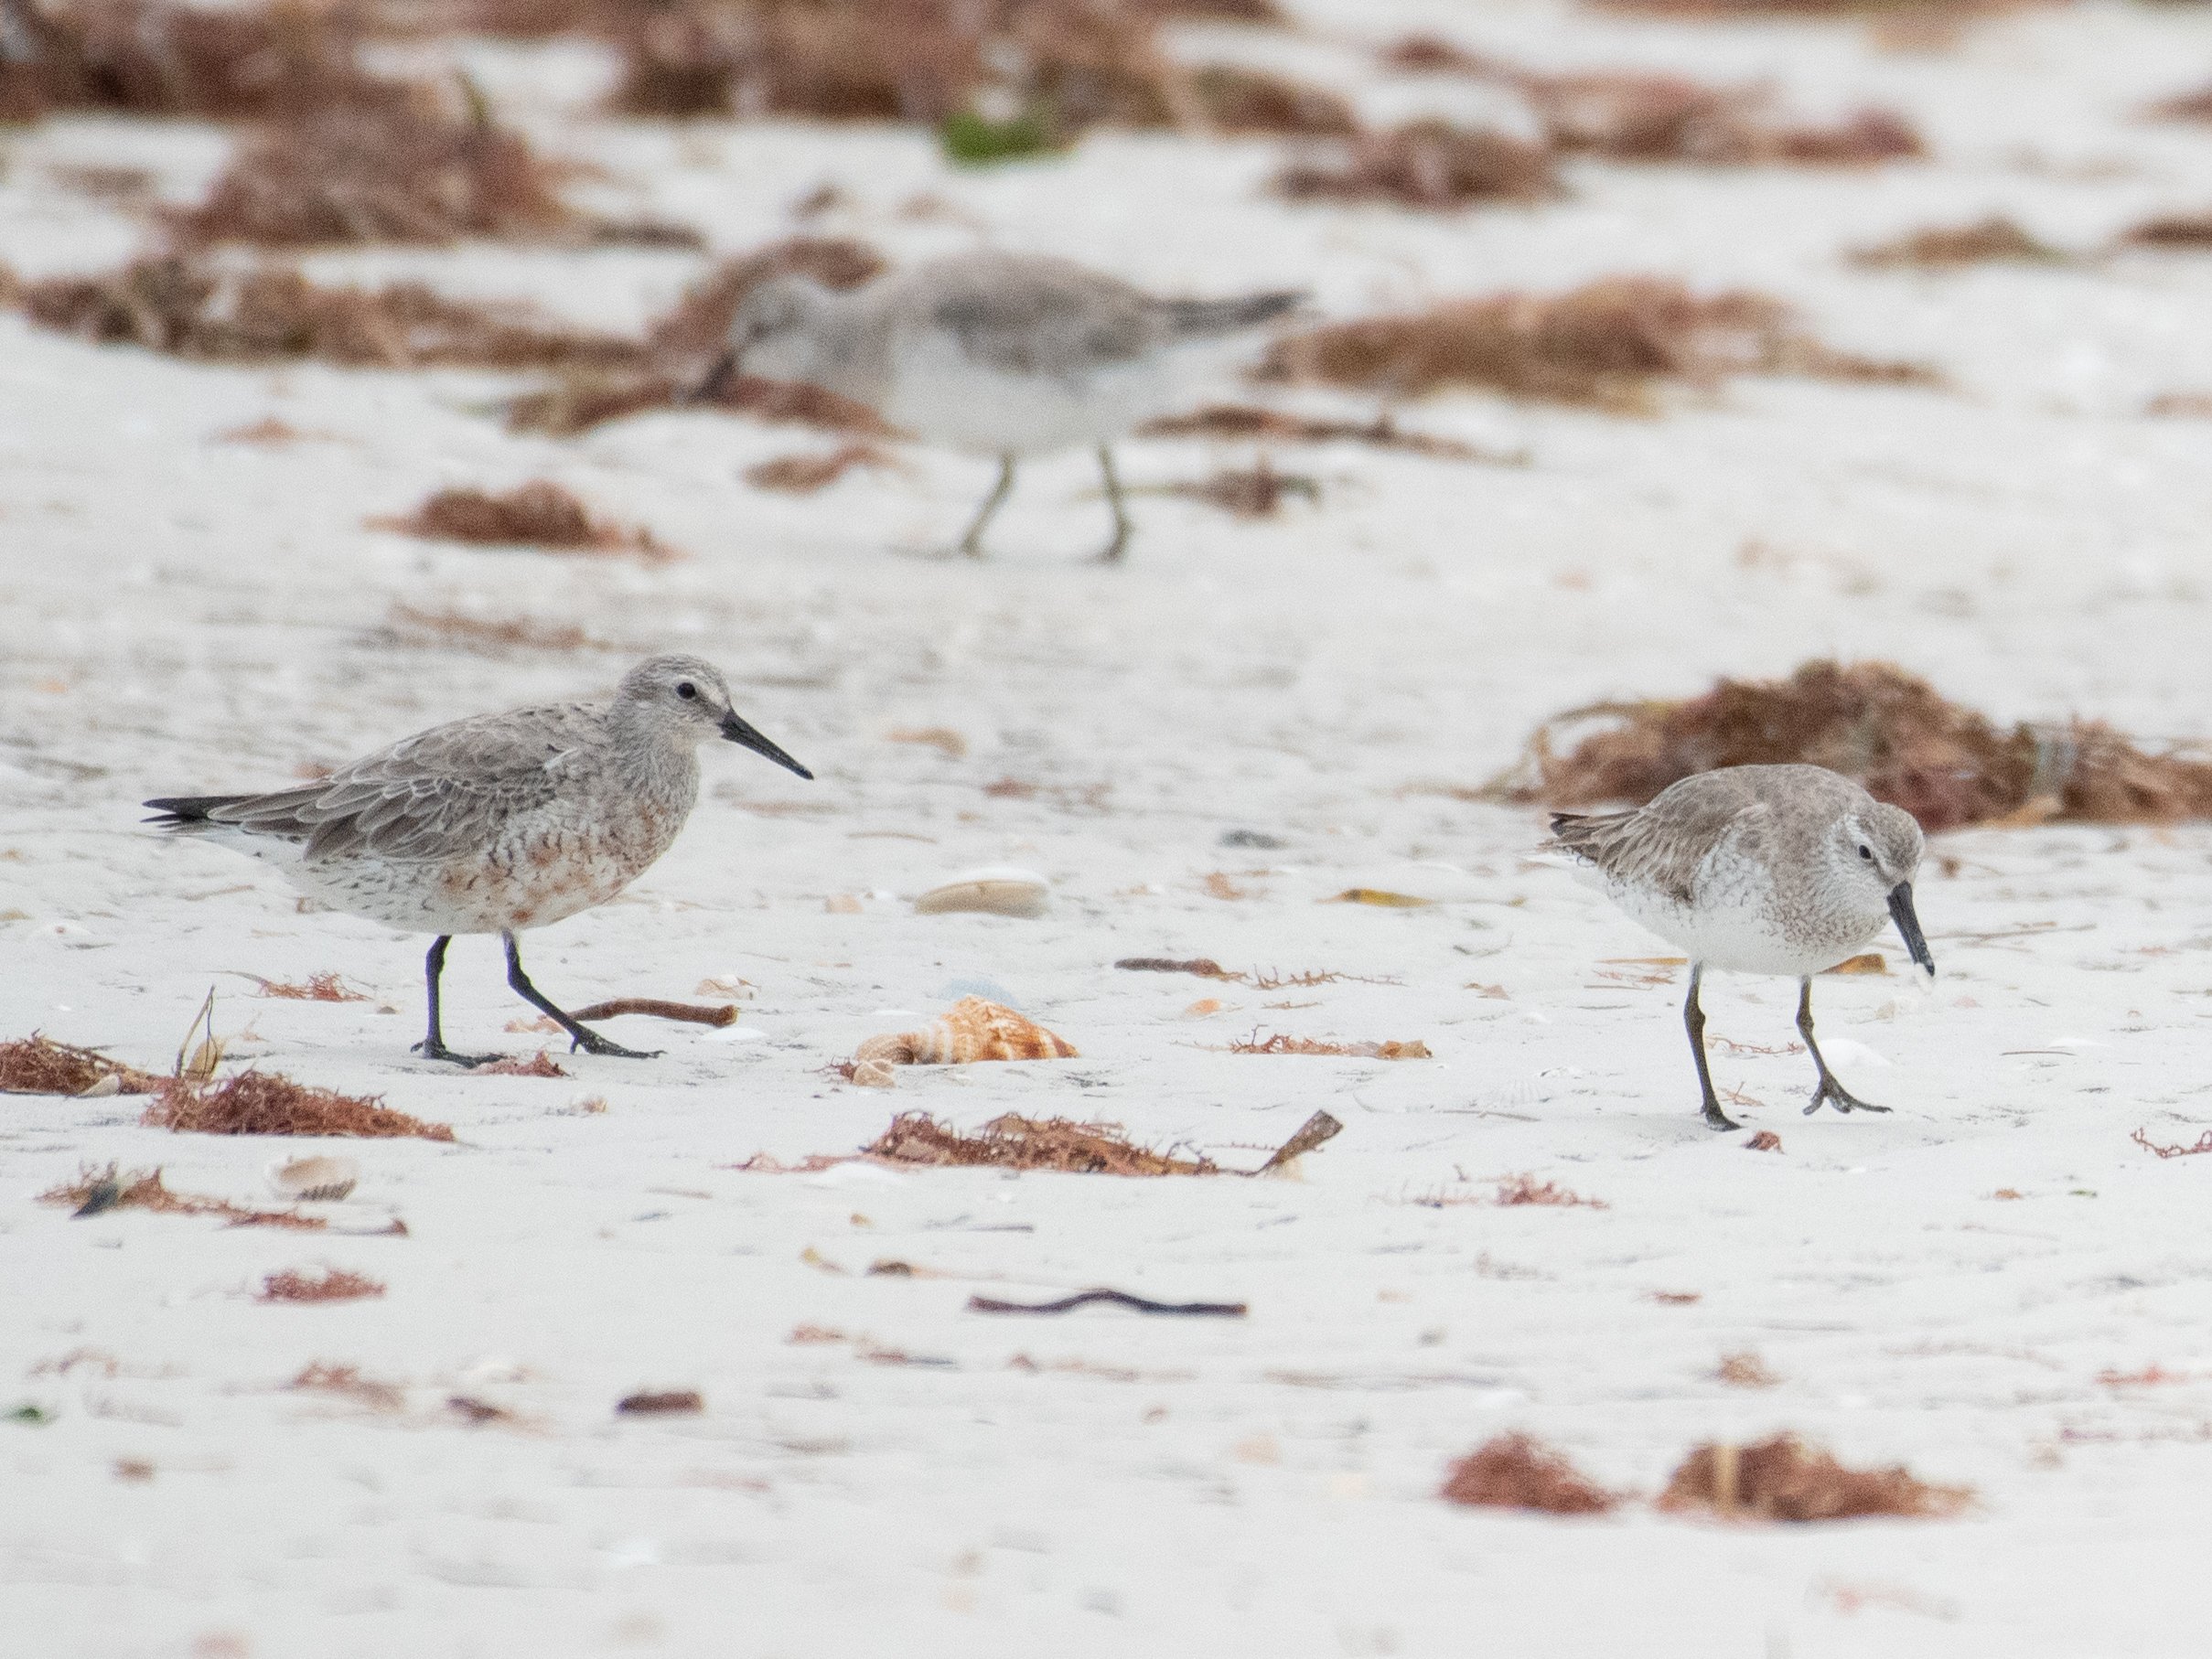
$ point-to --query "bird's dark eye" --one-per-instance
(687, 690)
(1867, 853)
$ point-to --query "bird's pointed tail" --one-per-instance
(180, 811)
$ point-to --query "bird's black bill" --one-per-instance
(716, 382)
(737, 732)
(1908, 924)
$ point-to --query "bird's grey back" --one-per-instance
(1027, 314)
(454, 789)
(1765, 812)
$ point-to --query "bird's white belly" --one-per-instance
(544, 869)
(1738, 930)
(945, 397)
(465, 895)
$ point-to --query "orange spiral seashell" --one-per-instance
(972, 1028)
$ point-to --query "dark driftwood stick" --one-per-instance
(693, 1014)
(1119, 1298)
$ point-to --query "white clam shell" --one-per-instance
(320, 1178)
(997, 892)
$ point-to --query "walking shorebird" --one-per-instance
(1768, 870)
(496, 824)
(994, 353)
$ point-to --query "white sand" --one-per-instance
(183, 613)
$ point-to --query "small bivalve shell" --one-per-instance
(314, 1180)
(997, 892)
(970, 1030)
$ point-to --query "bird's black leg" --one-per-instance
(1830, 1090)
(971, 543)
(581, 1036)
(1693, 1017)
(433, 1046)
(1111, 552)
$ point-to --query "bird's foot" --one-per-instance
(1717, 1118)
(438, 1051)
(1841, 1098)
(592, 1042)
(1111, 552)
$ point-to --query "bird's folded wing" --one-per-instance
(1663, 845)
(1025, 320)
(441, 793)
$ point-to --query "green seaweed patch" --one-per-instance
(973, 139)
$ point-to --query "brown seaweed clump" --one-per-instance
(316, 988)
(1424, 54)
(680, 346)
(37, 1065)
(333, 1284)
(1744, 1370)
(2180, 405)
(1889, 729)
(1947, 247)
(192, 308)
(1071, 67)
(1783, 1479)
(1235, 99)
(2186, 230)
(95, 1191)
(404, 173)
(837, 61)
(1260, 13)
(268, 1103)
(804, 474)
(537, 514)
(1643, 117)
(1604, 345)
(2192, 105)
(1928, 19)
(1280, 1043)
(540, 1065)
(1429, 164)
(149, 58)
(1015, 1142)
(1520, 1471)
(577, 402)
(1517, 1190)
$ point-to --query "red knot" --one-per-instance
(498, 823)
(993, 354)
(1768, 870)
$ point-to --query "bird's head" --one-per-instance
(1875, 853)
(686, 700)
(771, 335)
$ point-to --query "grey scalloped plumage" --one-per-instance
(496, 823)
(1768, 870)
(1005, 355)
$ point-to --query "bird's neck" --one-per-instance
(656, 761)
(848, 349)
